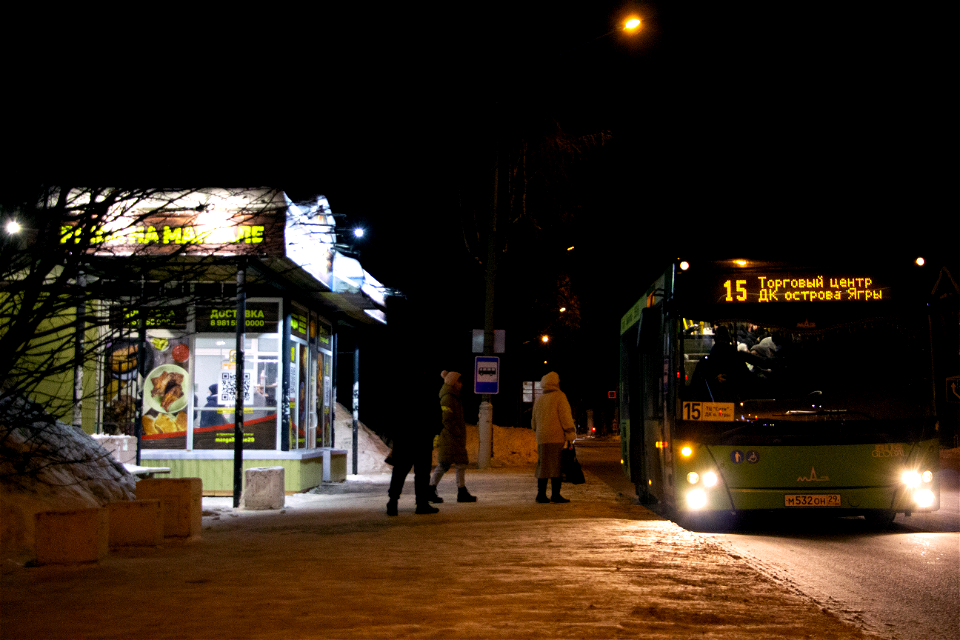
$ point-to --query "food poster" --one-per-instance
(120, 387)
(166, 390)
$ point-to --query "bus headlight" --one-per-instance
(697, 499)
(693, 477)
(924, 498)
(927, 476)
(710, 479)
(911, 479)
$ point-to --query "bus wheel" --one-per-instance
(880, 517)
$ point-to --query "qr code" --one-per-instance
(228, 388)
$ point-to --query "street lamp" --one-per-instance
(630, 26)
(485, 417)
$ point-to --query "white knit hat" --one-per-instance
(449, 377)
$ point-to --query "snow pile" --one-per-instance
(49, 466)
(512, 446)
(371, 450)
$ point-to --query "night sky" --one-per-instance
(767, 130)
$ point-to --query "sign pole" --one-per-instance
(239, 390)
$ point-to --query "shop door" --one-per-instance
(303, 396)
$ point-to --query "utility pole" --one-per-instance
(486, 407)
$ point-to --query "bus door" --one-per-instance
(654, 376)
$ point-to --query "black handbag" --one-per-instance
(570, 466)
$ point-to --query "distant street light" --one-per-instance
(631, 25)
(358, 232)
(13, 227)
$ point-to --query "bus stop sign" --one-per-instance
(486, 375)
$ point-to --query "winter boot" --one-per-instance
(432, 496)
(555, 491)
(392, 507)
(424, 507)
(542, 491)
(464, 496)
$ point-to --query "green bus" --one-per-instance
(751, 386)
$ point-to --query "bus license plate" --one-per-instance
(812, 500)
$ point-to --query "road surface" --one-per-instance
(901, 583)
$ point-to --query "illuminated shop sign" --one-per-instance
(203, 222)
(760, 287)
(125, 317)
(261, 317)
(184, 235)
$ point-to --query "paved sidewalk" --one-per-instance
(333, 565)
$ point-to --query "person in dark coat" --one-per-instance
(416, 419)
(720, 376)
(412, 449)
(211, 418)
(453, 439)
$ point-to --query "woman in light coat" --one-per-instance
(553, 423)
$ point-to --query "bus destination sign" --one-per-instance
(758, 287)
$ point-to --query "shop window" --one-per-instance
(216, 366)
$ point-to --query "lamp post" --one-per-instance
(485, 421)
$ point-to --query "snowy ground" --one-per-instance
(332, 564)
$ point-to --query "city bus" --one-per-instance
(757, 386)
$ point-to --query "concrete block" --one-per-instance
(335, 467)
(262, 488)
(136, 523)
(181, 504)
(70, 537)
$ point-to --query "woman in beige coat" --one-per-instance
(553, 423)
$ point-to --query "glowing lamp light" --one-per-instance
(544, 339)
(927, 476)
(684, 265)
(924, 498)
(693, 477)
(632, 23)
(920, 262)
(697, 499)
(710, 479)
(13, 227)
(686, 452)
(358, 233)
(911, 479)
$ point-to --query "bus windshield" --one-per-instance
(870, 375)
